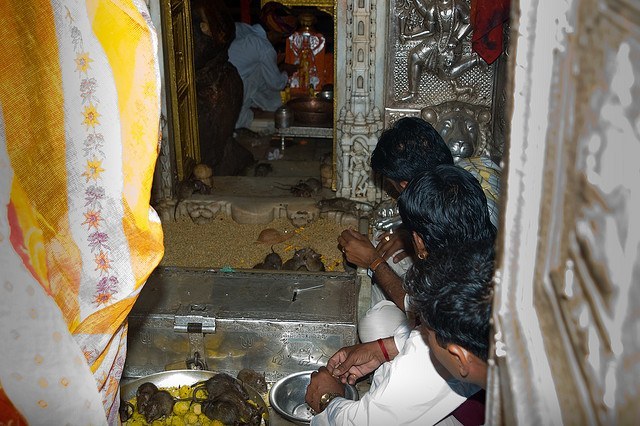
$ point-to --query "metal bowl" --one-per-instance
(325, 94)
(312, 111)
(176, 378)
(287, 397)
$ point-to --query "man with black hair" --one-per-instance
(452, 292)
(411, 146)
(445, 209)
(253, 54)
(456, 206)
(408, 148)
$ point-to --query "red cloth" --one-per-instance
(487, 20)
(245, 11)
(9, 415)
(471, 412)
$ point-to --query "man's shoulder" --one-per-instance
(485, 170)
(250, 31)
(414, 347)
(479, 162)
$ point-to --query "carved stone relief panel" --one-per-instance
(359, 29)
(597, 277)
(566, 311)
(430, 62)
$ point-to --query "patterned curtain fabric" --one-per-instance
(79, 113)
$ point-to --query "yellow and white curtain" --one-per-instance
(79, 113)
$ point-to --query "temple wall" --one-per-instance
(454, 87)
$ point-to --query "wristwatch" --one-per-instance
(326, 398)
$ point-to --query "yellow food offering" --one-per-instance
(181, 408)
(177, 421)
(185, 392)
(191, 419)
(196, 409)
(204, 420)
(185, 411)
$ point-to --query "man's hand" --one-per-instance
(321, 382)
(397, 242)
(353, 362)
(357, 248)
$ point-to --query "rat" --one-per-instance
(262, 169)
(272, 261)
(296, 263)
(304, 188)
(305, 259)
(186, 189)
(313, 261)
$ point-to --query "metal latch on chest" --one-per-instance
(196, 320)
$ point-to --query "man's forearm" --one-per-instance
(391, 283)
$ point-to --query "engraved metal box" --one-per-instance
(279, 323)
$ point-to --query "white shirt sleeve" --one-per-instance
(255, 58)
(273, 77)
(406, 391)
(401, 335)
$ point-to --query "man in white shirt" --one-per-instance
(408, 390)
(443, 361)
(405, 150)
(255, 58)
(444, 209)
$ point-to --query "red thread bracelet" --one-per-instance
(384, 350)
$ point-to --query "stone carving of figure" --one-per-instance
(440, 51)
(359, 168)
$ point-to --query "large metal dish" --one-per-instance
(287, 397)
(175, 378)
(312, 111)
(325, 94)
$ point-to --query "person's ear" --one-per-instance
(204, 27)
(462, 359)
(403, 184)
(421, 250)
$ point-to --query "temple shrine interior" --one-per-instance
(320, 212)
(295, 175)
(291, 178)
(278, 166)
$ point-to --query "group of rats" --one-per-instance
(304, 259)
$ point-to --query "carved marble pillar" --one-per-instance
(359, 30)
